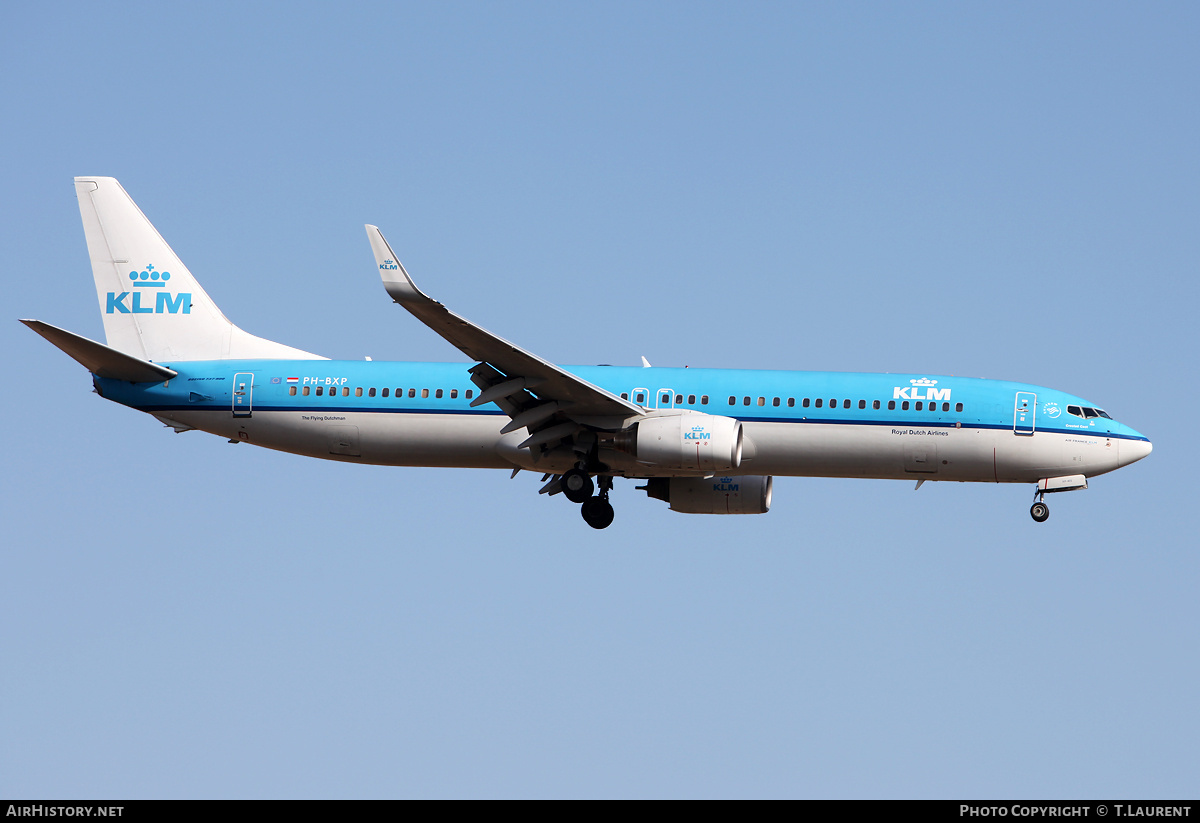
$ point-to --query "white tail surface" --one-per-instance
(151, 305)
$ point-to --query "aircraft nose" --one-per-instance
(1131, 451)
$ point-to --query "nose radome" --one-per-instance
(1131, 451)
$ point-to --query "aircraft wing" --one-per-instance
(507, 374)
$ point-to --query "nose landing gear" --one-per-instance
(1039, 511)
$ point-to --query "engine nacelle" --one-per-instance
(693, 441)
(747, 494)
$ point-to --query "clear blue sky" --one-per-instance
(1006, 191)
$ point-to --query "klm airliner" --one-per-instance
(705, 441)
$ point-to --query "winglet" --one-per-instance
(395, 279)
(511, 361)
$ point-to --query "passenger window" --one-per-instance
(469, 393)
(424, 393)
(691, 399)
(775, 401)
(904, 406)
(437, 393)
(832, 403)
(320, 390)
(891, 405)
(358, 391)
(664, 399)
(624, 395)
(371, 392)
(846, 404)
(639, 397)
(958, 407)
(745, 401)
(304, 391)
(805, 403)
(732, 399)
(411, 392)
(945, 407)
(875, 405)
(862, 404)
(679, 399)
(791, 402)
(920, 405)
(292, 391)
(704, 400)
(819, 402)
(762, 401)
(454, 394)
(385, 392)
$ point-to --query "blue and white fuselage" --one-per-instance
(867, 425)
(705, 440)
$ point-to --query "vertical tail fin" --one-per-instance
(152, 306)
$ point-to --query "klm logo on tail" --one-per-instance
(164, 302)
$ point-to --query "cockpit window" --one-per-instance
(1087, 413)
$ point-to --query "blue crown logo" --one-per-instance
(150, 277)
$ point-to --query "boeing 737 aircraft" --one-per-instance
(706, 441)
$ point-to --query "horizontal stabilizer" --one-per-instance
(99, 359)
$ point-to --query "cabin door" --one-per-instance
(243, 394)
(1024, 413)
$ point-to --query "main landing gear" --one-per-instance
(577, 486)
(597, 511)
(1039, 511)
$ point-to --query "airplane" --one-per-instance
(705, 441)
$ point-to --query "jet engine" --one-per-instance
(747, 494)
(690, 441)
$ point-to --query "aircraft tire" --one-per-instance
(597, 512)
(1039, 512)
(577, 486)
